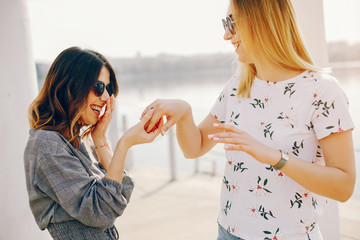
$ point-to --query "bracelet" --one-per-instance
(101, 146)
(282, 162)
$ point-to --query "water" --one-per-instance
(201, 96)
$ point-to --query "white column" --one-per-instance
(310, 14)
(18, 88)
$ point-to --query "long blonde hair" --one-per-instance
(268, 29)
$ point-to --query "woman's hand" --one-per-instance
(335, 180)
(237, 140)
(173, 109)
(98, 134)
(137, 134)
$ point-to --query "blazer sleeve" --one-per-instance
(92, 201)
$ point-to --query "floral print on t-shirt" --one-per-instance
(258, 201)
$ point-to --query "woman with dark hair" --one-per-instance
(76, 188)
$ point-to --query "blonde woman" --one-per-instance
(285, 125)
(77, 192)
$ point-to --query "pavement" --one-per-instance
(350, 220)
(187, 208)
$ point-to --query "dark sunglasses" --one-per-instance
(228, 24)
(99, 89)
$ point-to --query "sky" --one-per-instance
(119, 28)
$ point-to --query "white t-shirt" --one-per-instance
(258, 201)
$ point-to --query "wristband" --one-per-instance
(101, 146)
(282, 162)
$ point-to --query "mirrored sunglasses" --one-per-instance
(100, 87)
(228, 24)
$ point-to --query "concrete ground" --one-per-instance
(187, 208)
(350, 220)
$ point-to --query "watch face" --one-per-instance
(285, 156)
(282, 162)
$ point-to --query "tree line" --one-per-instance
(175, 69)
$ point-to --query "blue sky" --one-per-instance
(119, 28)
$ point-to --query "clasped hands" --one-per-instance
(178, 112)
(172, 109)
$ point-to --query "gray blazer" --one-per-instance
(67, 188)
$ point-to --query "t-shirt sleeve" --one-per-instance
(331, 110)
(219, 108)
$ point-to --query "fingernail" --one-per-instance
(216, 139)
(216, 125)
(163, 132)
(210, 136)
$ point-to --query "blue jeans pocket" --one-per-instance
(225, 235)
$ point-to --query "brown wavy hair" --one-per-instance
(67, 84)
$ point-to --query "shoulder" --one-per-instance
(320, 84)
(233, 82)
(234, 79)
(46, 136)
(41, 145)
(46, 141)
(325, 80)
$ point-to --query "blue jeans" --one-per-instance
(225, 235)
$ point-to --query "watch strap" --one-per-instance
(282, 162)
